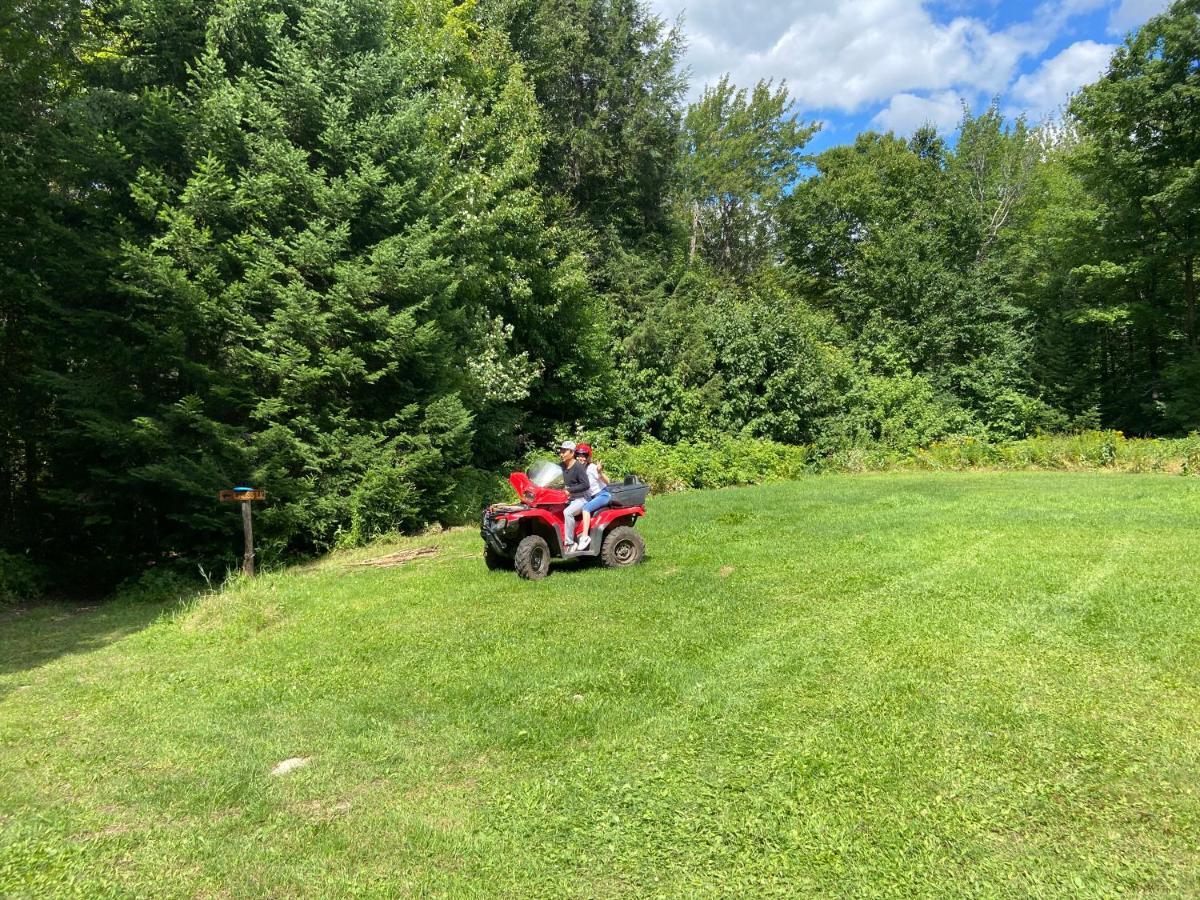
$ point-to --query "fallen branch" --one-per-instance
(395, 559)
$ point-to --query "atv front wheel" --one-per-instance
(623, 547)
(532, 560)
(495, 562)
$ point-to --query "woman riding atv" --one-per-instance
(598, 495)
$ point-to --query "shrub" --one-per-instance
(383, 501)
(474, 490)
(20, 579)
(706, 464)
(736, 461)
(156, 585)
(896, 412)
(1191, 455)
(961, 452)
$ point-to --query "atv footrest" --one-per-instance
(593, 548)
(582, 554)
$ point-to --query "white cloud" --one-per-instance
(907, 62)
(845, 54)
(1132, 13)
(905, 113)
(1044, 91)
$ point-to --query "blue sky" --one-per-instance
(896, 64)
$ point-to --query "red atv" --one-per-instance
(526, 536)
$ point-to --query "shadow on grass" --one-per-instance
(583, 566)
(34, 634)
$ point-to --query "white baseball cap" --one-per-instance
(567, 445)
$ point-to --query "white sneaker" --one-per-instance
(584, 543)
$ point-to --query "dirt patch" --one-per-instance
(726, 571)
(395, 559)
(319, 809)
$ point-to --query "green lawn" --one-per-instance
(983, 684)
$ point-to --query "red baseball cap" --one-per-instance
(583, 449)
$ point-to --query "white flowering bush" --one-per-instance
(495, 371)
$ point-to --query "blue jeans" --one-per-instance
(598, 502)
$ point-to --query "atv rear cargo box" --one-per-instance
(630, 493)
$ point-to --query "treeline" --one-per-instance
(361, 252)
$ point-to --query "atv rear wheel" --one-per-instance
(532, 560)
(495, 562)
(622, 547)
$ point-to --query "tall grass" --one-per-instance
(743, 461)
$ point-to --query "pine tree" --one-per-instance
(1140, 139)
(609, 87)
(337, 281)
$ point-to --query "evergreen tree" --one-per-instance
(607, 78)
(1140, 142)
(334, 275)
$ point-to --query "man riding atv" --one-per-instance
(576, 482)
(525, 536)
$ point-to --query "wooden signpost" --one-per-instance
(245, 496)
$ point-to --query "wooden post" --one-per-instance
(248, 533)
(245, 496)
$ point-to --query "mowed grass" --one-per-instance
(972, 684)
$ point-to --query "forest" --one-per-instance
(366, 253)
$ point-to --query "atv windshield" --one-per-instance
(546, 474)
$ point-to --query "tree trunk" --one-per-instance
(1189, 290)
(695, 230)
(726, 233)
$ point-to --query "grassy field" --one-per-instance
(973, 684)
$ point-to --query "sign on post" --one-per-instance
(245, 496)
(239, 494)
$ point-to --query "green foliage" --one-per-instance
(902, 242)
(714, 357)
(1181, 385)
(475, 489)
(58, 223)
(608, 83)
(699, 464)
(1191, 458)
(363, 253)
(20, 578)
(740, 156)
(339, 283)
(1139, 128)
(781, 372)
(894, 412)
(1083, 451)
(726, 462)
